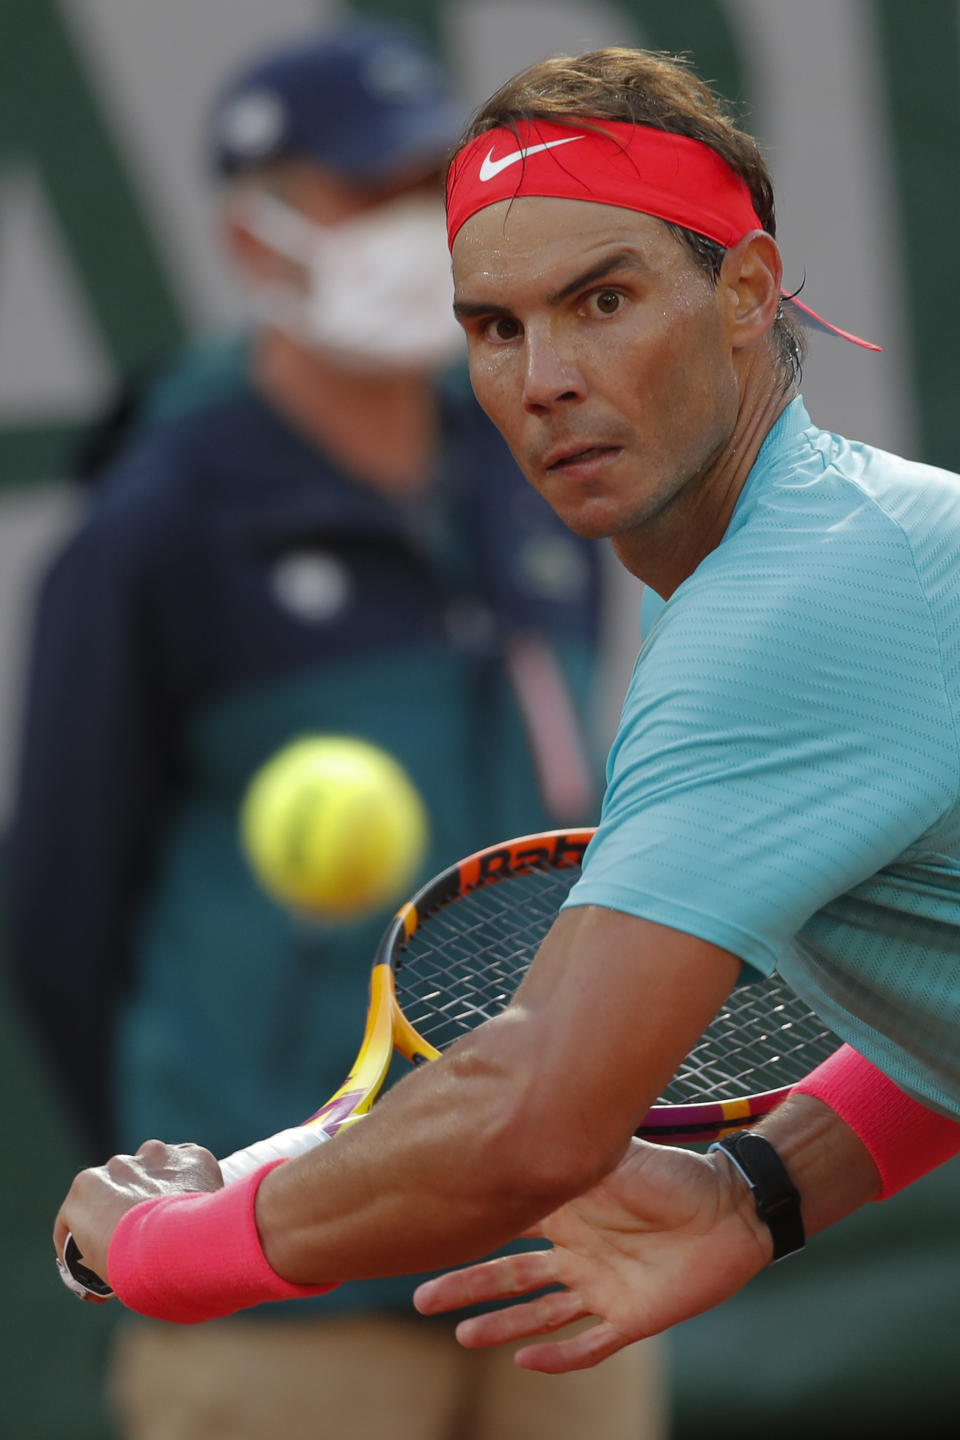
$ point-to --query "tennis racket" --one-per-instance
(453, 957)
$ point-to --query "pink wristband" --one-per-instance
(905, 1139)
(197, 1256)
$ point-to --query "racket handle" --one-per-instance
(285, 1145)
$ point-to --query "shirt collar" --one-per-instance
(787, 426)
(779, 442)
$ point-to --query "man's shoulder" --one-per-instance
(824, 509)
(843, 473)
(885, 528)
(922, 500)
(839, 569)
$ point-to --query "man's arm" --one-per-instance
(671, 1234)
(530, 1110)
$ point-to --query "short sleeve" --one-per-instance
(785, 736)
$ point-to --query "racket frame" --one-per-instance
(387, 1028)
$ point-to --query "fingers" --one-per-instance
(158, 1165)
(492, 1280)
(519, 1322)
(60, 1232)
(74, 1278)
(558, 1357)
(62, 1225)
(157, 1150)
(162, 1155)
(153, 1150)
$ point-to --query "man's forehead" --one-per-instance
(544, 234)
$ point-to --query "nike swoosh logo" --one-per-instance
(491, 168)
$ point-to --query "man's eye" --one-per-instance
(608, 301)
(502, 329)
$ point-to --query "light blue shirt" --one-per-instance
(785, 780)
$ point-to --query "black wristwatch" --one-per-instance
(777, 1198)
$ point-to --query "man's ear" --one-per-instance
(750, 282)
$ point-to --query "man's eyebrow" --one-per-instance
(476, 309)
(619, 260)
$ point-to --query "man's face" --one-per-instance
(601, 351)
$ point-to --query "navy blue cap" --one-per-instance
(364, 100)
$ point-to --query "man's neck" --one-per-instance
(380, 427)
(667, 550)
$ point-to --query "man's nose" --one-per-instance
(551, 377)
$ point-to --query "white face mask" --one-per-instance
(379, 289)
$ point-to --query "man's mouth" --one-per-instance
(567, 459)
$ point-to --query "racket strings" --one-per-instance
(464, 962)
(764, 1038)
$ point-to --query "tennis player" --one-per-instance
(783, 792)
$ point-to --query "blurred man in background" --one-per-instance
(312, 529)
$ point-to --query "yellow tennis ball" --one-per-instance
(334, 826)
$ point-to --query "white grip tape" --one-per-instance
(285, 1145)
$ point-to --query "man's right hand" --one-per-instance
(99, 1198)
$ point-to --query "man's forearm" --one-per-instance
(416, 1185)
(827, 1162)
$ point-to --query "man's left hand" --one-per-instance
(666, 1235)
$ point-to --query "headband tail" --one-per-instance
(812, 321)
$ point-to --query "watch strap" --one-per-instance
(775, 1196)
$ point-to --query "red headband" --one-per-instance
(634, 167)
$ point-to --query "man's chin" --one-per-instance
(591, 531)
(590, 519)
